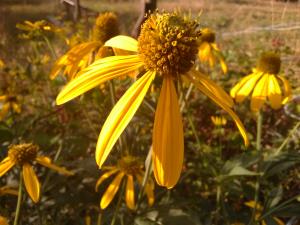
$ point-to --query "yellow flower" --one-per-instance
(259, 210)
(24, 155)
(167, 47)
(7, 190)
(3, 221)
(218, 120)
(80, 56)
(264, 84)
(128, 168)
(209, 51)
(36, 29)
(9, 102)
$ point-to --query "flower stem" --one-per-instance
(50, 47)
(99, 219)
(259, 164)
(113, 221)
(18, 209)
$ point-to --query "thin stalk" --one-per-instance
(145, 178)
(259, 164)
(99, 219)
(287, 139)
(50, 47)
(113, 221)
(18, 209)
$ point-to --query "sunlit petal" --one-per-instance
(168, 144)
(111, 191)
(5, 165)
(129, 195)
(104, 177)
(100, 71)
(45, 161)
(260, 93)
(287, 90)
(274, 92)
(121, 115)
(31, 182)
(219, 101)
(123, 42)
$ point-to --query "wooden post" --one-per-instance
(147, 6)
(77, 12)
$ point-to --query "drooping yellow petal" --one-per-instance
(100, 71)
(104, 177)
(3, 98)
(220, 101)
(129, 195)
(246, 86)
(214, 88)
(4, 111)
(149, 188)
(240, 84)
(260, 93)
(72, 58)
(8, 190)
(46, 161)
(111, 191)
(168, 147)
(123, 42)
(121, 115)
(5, 165)
(31, 182)
(287, 90)
(274, 92)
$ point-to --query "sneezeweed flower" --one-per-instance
(167, 47)
(3, 221)
(259, 211)
(209, 51)
(264, 83)
(9, 103)
(127, 169)
(81, 55)
(7, 190)
(36, 29)
(24, 155)
(218, 120)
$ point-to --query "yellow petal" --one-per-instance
(7, 190)
(104, 177)
(3, 98)
(73, 57)
(223, 64)
(246, 86)
(287, 90)
(5, 165)
(45, 161)
(100, 71)
(123, 42)
(259, 93)
(129, 195)
(214, 88)
(121, 115)
(220, 101)
(149, 188)
(238, 86)
(274, 92)
(16, 107)
(168, 147)
(251, 204)
(4, 111)
(278, 221)
(31, 182)
(111, 191)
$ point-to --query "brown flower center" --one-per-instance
(168, 43)
(269, 62)
(130, 165)
(23, 153)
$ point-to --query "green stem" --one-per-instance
(259, 164)
(50, 47)
(287, 139)
(18, 209)
(113, 221)
(99, 219)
